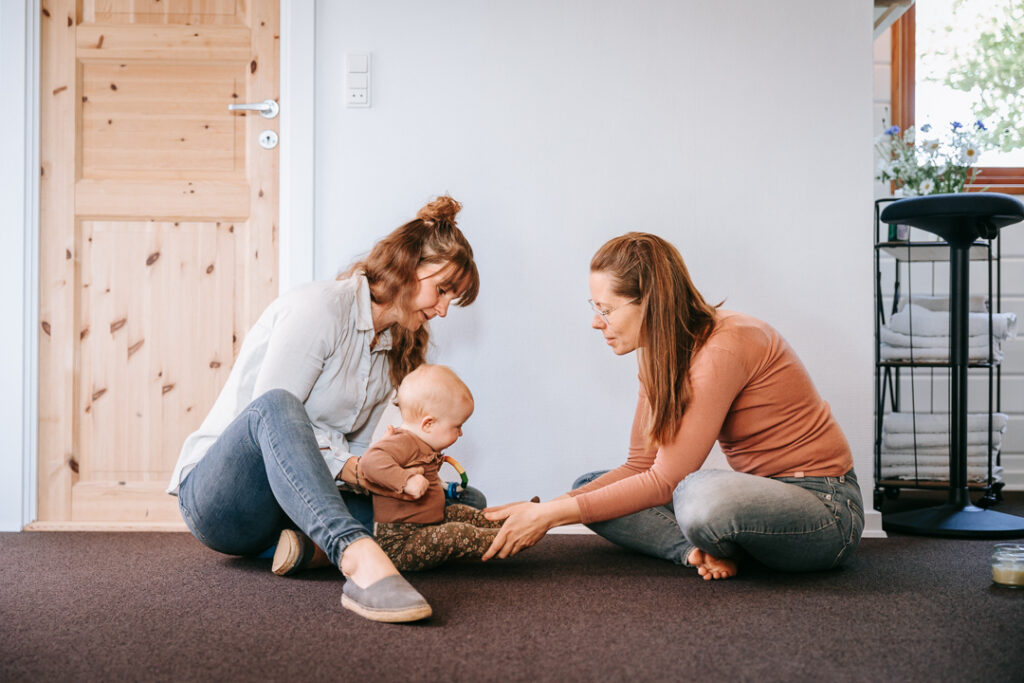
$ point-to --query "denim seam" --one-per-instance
(658, 509)
(355, 535)
(188, 515)
(787, 533)
(850, 539)
(735, 534)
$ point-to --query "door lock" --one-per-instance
(268, 139)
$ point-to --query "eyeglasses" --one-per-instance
(603, 314)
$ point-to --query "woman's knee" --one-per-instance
(238, 532)
(279, 400)
(585, 479)
(281, 410)
(699, 501)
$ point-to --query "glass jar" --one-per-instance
(1008, 564)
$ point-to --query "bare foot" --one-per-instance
(365, 563)
(711, 567)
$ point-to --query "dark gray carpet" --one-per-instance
(105, 606)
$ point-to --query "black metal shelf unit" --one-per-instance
(888, 372)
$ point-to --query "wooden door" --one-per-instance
(158, 239)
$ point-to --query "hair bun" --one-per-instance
(444, 208)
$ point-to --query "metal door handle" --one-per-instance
(268, 109)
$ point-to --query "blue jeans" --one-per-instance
(265, 473)
(788, 524)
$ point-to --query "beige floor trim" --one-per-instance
(107, 526)
(570, 529)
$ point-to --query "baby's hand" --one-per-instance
(416, 486)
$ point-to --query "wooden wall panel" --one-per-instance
(258, 279)
(147, 373)
(178, 43)
(163, 11)
(58, 465)
(162, 199)
(161, 120)
(158, 242)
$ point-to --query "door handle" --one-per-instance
(268, 109)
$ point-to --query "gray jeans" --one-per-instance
(789, 524)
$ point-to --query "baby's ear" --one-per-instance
(427, 423)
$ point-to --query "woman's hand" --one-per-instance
(506, 506)
(526, 523)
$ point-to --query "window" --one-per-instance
(925, 60)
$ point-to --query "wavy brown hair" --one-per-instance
(675, 323)
(390, 268)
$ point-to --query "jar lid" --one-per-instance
(1009, 547)
(1012, 552)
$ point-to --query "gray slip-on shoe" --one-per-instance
(392, 599)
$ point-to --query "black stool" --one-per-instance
(959, 219)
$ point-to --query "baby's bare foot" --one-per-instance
(711, 567)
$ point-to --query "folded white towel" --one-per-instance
(894, 423)
(937, 439)
(922, 322)
(937, 354)
(933, 460)
(935, 451)
(977, 303)
(893, 338)
(937, 473)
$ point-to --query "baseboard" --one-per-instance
(873, 525)
(175, 527)
(570, 529)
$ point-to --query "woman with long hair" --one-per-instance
(791, 501)
(310, 383)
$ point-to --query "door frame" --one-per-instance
(19, 368)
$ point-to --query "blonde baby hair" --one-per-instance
(431, 390)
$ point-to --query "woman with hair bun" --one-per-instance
(792, 501)
(310, 383)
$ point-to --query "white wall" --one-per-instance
(737, 130)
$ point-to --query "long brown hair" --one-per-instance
(675, 323)
(431, 238)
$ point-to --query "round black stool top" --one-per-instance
(957, 218)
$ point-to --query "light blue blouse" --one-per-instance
(315, 342)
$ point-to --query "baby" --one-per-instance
(411, 521)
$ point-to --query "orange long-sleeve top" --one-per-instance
(751, 393)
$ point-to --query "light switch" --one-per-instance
(358, 62)
(357, 79)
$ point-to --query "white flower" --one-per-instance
(932, 164)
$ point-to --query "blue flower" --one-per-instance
(926, 128)
(980, 125)
(892, 130)
(957, 125)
